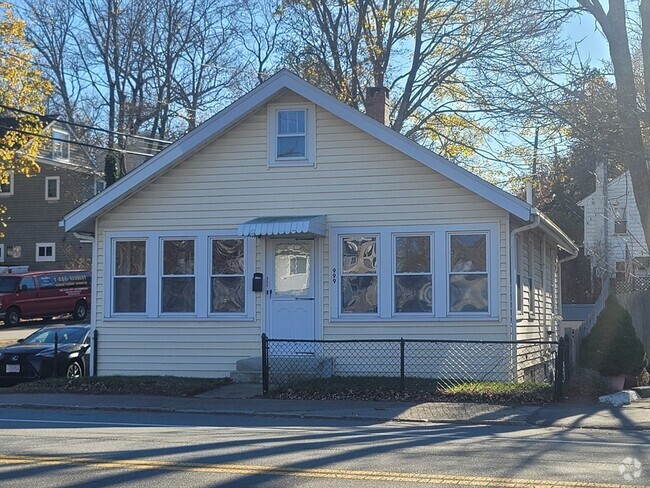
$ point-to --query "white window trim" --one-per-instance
(2, 253)
(161, 275)
(63, 141)
(439, 264)
(310, 136)
(431, 272)
(202, 272)
(249, 264)
(11, 186)
(339, 247)
(58, 188)
(46, 259)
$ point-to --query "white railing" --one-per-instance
(595, 311)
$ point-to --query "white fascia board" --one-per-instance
(557, 234)
(222, 121)
(172, 155)
(396, 140)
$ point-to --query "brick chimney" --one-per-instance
(377, 104)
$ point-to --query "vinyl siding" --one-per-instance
(358, 181)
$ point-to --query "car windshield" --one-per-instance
(71, 335)
(8, 284)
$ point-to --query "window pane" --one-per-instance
(359, 294)
(228, 294)
(468, 293)
(177, 295)
(413, 294)
(291, 147)
(130, 258)
(289, 259)
(130, 295)
(51, 189)
(413, 254)
(228, 256)
(468, 253)
(178, 257)
(291, 122)
(359, 255)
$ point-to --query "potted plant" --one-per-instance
(612, 347)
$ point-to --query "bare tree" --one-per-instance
(632, 94)
(443, 60)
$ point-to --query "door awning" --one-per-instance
(275, 226)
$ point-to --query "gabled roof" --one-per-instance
(82, 218)
(612, 182)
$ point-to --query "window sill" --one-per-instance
(418, 318)
(176, 318)
(291, 164)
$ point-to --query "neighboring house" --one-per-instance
(35, 206)
(355, 231)
(613, 237)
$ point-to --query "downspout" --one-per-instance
(93, 295)
(513, 269)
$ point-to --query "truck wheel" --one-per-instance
(80, 311)
(13, 317)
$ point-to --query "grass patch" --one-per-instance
(416, 390)
(122, 385)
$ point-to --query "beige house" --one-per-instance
(292, 214)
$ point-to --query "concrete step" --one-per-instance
(642, 391)
(246, 376)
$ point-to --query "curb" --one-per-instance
(252, 413)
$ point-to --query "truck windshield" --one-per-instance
(8, 284)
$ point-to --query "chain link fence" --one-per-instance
(447, 363)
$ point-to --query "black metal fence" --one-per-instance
(448, 363)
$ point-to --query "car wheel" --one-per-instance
(75, 370)
(13, 317)
(80, 311)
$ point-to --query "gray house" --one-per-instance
(35, 206)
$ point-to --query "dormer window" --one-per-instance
(291, 135)
(60, 145)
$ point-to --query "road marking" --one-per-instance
(242, 469)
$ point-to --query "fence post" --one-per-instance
(265, 364)
(401, 366)
(56, 354)
(94, 351)
(558, 391)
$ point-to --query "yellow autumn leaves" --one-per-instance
(22, 86)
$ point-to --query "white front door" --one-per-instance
(291, 289)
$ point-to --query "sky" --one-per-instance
(582, 31)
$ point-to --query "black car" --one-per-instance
(33, 357)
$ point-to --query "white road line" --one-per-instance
(392, 435)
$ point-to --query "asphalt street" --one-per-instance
(65, 448)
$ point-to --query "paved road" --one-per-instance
(45, 448)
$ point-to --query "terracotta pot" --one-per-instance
(615, 383)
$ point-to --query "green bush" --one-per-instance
(586, 383)
(612, 347)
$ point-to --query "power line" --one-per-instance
(85, 144)
(143, 138)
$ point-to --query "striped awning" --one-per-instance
(275, 226)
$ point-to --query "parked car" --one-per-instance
(44, 294)
(34, 357)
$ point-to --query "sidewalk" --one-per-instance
(589, 416)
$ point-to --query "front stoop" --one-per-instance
(642, 391)
(248, 370)
(285, 369)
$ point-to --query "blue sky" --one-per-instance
(591, 45)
